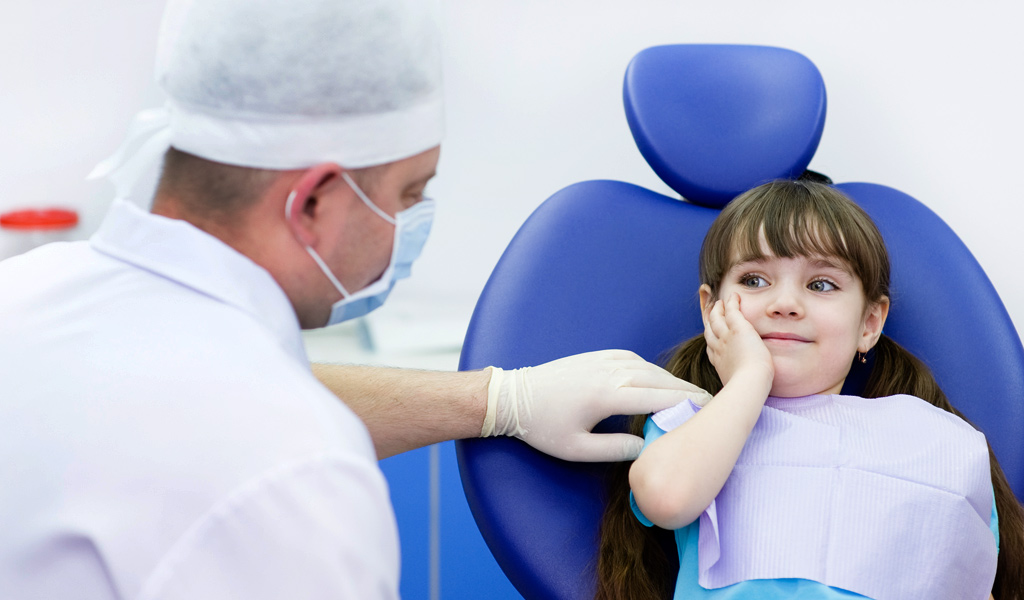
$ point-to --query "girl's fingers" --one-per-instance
(717, 321)
(717, 331)
(731, 311)
(709, 333)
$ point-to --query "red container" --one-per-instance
(22, 230)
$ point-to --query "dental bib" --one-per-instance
(886, 497)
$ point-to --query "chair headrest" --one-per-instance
(715, 120)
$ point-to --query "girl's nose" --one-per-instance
(785, 303)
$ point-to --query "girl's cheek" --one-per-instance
(748, 307)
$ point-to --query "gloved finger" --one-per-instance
(603, 447)
(595, 356)
(613, 354)
(628, 369)
(651, 376)
(640, 401)
(613, 361)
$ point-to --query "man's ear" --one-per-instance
(301, 207)
(874, 321)
(706, 300)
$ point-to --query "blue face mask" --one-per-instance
(412, 226)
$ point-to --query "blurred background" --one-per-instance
(922, 96)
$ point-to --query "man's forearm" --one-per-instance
(406, 409)
(553, 407)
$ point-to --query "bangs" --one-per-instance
(788, 230)
(790, 219)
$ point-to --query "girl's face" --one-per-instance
(811, 313)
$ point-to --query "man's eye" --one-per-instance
(753, 281)
(822, 285)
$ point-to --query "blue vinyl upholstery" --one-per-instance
(606, 264)
(755, 114)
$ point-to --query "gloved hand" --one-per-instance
(553, 407)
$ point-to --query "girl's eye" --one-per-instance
(753, 281)
(822, 285)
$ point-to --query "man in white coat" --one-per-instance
(163, 434)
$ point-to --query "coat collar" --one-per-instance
(180, 252)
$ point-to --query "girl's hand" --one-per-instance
(681, 473)
(734, 347)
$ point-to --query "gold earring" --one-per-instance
(862, 357)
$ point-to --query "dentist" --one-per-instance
(163, 431)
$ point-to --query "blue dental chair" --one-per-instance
(606, 264)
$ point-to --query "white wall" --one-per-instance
(924, 97)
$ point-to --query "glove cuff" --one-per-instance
(508, 394)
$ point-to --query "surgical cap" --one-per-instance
(286, 84)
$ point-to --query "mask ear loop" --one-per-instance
(316, 257)
(366, 199)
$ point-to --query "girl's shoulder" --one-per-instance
(901, 425)
(906, 406)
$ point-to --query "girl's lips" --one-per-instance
(784, 337)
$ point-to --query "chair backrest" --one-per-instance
(606, 264)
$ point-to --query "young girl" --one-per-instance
(780, 487)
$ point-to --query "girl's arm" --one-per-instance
(678, 476)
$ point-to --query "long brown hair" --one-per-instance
(792, 218)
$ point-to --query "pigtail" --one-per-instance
(897, 371)
(689, 361)
(637, 562)
(633, 562)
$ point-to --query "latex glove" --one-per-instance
(553, 407)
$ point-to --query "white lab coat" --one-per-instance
(162, 436)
